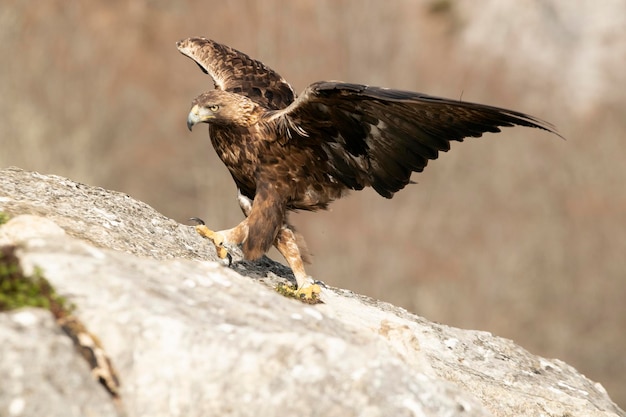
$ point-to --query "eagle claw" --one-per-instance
(215, 237)
(309, 294)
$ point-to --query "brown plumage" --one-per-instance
(287, 153)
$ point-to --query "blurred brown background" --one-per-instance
(521, 234)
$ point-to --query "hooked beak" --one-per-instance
(197, 115)
(191, 121)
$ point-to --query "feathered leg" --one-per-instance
(289, 243)
(256, 240)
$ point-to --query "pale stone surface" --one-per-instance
(190, 337)
(42, 375)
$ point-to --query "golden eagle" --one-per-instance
(300, 153)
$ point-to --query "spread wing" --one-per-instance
(377, 137)
(236, 72)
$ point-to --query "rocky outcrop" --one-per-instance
(191, 337)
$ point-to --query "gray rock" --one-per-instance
(41, 373)
(190, 337)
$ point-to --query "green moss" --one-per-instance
(18, 290)
(3, 218)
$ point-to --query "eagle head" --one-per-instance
(223, 108)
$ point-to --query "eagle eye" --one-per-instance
(214, 108)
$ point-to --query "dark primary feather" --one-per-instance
(376, 137)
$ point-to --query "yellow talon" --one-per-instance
(214, 237)
(309, 294)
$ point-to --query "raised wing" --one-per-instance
(377, 137)
(236, 72)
